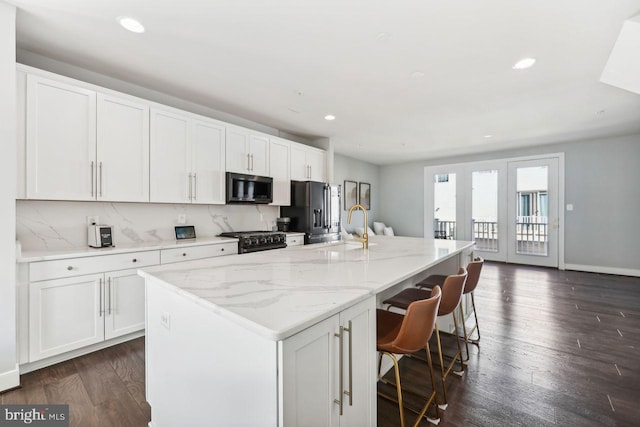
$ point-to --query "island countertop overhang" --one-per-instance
(278, 293)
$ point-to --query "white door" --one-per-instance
(279, 153)
(310, 376)
(61, 141)
(208, 162)
(299, 167)
(123, 150)
(124, 303)
(316, 161)
(237, 150)
(170, 158)
(488, 209)
(259, 155)
(359, 364)
(65, 314)
(533, 218)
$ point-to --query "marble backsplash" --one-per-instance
(53, 225)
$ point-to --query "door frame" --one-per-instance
(464, 168)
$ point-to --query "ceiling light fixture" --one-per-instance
(488, 136)
(524, 63)
(131, 24)
(329, 117)
(417, 74)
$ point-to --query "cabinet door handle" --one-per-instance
(251, 159)
(248, 163)
(92, 183)
(109, 293)
(101, 290)
(195, 186)
(350, 392)
(135, 260)
(100, 167)
(70, 268)
(340, 401)
(190, 187)
(184, 254)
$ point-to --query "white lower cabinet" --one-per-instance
(70, 313)
(328, 375)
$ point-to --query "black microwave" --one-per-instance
(249, 188)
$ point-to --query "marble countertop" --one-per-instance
(278, 293)
(32, 256)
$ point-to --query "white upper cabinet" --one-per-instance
(307, 163)
(279, 154)
(187, 158)
(208, 162)
(170, 153)
(247, 151)
(61, 141)
(123, 150)
(81, 145)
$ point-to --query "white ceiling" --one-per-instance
(288, 63)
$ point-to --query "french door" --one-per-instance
(509, 207)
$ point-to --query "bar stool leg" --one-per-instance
(455, 325)
(398, 388)
(475, 314)
(434, 394)
(464, 331)
(444, 403)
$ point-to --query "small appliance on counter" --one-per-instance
(283, 224)
(100, 236)
(185, 232)
(315, 210)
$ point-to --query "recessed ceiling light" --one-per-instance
(524, 64)
(417, 74)
(131, 24)
(329, 117)
(488, 136)
(383, 37)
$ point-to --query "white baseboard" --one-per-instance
(604, 270)
(10, 379)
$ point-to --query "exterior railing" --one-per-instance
(444, 229)
(531, 234)
(485, 234)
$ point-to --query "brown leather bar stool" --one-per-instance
(405, 334)
(452, 288)
(474, 268)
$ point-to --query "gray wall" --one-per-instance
(602, 181)
(355, 170)
(8, 367)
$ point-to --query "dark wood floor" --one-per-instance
(558, 348)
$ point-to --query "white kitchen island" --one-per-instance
(277, 338)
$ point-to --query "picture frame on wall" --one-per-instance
(365, 195)
(350, 194)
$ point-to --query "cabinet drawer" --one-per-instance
(44, 270)
(197, 252)
(295, 240)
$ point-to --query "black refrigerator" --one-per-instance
(315, 211)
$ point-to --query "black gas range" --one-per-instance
(254, 241)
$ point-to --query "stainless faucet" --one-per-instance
(365, 236)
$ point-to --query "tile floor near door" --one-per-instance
(558, 349)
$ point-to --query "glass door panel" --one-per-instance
(484, 209)
(444, 206)
(533, 209)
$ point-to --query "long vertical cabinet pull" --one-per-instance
(100, 309)
(251, 156)
(92, 170)
(100, 192)
(109, 293)
(195, 187)
(190, 188)
(350, 392)
(340, 401)
(249, 162)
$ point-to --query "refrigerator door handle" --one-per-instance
(326, 206)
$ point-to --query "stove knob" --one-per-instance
(263, 240)
(254, 241)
